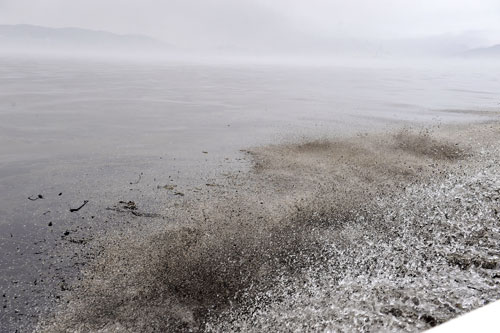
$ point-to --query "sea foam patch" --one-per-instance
(390, 231)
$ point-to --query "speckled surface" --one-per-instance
(164, 135)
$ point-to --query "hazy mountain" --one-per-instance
(484, 52)
(279, 42)
(44, 39)
(307, 45)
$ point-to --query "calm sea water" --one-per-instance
(60, 119)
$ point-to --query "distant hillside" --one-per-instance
(490, 52)
(31, 37)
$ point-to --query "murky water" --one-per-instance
(109, 132)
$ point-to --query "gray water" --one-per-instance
(73, 116)
(107, 132)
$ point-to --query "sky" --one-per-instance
(260, 23)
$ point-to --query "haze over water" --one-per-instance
(166, 162)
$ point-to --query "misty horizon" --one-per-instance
(26, 39)
(259, 29)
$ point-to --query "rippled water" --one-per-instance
(88, 129)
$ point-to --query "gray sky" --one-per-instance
(252, 22)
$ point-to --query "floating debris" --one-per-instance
(77, 209)
(36, 197)
(168, 187)
(129, 205)
(138, 180)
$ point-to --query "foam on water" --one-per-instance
(391, 231)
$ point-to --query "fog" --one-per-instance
(278, 28)
(175, 165)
